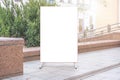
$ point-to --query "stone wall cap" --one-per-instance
(11, 41)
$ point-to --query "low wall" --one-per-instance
(11, 56)
(32, 53)
(109, 36)
(97, 45)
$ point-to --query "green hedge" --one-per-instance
(22, 21)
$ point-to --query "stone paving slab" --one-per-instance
(87, 62)
(113, 74)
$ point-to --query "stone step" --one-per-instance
(32, 53)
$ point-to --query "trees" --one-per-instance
(22, 20)
(31, 15)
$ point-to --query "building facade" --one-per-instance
(94, 13)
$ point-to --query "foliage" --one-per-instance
(22, 20)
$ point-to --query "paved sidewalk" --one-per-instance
(87, 62)
(113, 74)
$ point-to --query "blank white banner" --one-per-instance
(58, 34)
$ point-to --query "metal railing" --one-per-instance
(99, 31)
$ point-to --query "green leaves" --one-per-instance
(22, 20)
(32, 16)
